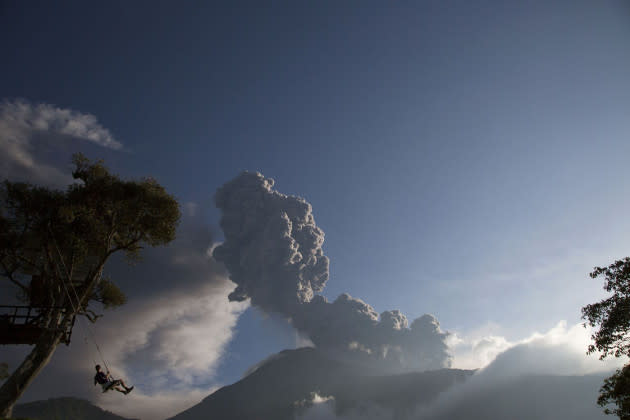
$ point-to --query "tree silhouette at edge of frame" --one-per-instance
(612, 316)
(53, 234)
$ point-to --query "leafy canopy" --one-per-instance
(54, 236)
(612, 316)
(616, 389)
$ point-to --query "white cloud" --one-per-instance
(317, 408)
(520, 377)
(28, 133)
(478, 348)
(561, 350)
(323, 408)
(302, 341)
(179, 336)
(21, 115)
(170, 344)
(170, 348)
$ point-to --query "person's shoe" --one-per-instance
(128, 390)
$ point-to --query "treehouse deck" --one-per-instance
(25, 324)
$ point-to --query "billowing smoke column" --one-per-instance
(272, 248)
(273, 251)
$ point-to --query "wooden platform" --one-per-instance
(22, 324)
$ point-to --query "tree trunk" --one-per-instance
(20, 379)
(39, 357)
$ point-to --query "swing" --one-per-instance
(108, 383)
(105, 380)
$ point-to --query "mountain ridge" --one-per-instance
(66, 408)
(276, 387)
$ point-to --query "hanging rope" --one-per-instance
(69, 276)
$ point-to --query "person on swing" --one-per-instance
(108, 382)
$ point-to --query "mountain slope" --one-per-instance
(63, 409)
(541, 397)
(272, 390)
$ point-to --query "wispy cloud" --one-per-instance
(30, 134)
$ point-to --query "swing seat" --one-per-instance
(108, 386)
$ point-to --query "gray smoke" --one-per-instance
(272, 248)
(273, 252)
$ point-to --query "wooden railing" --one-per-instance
(21, 324)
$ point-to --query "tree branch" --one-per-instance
(90, 315)
(124, 246)
(27, 261)
(14, 281)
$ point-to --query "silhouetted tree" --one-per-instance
(53, 240)
(612, 316)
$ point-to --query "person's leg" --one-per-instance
(115, 384)
(125, 386)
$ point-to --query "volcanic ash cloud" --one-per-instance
(273, 252)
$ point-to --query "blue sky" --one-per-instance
(465, 159)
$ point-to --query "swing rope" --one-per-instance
(76, 312)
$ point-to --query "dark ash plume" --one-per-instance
(273, 252)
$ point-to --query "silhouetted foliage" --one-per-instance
(616, 389)
(612, 315)
(54, 245)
